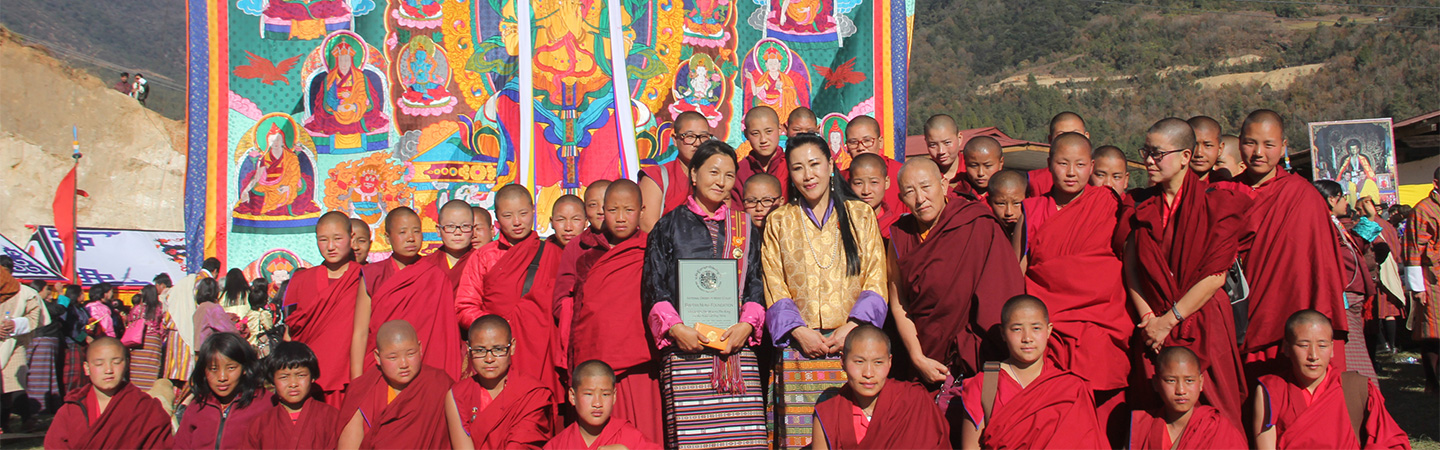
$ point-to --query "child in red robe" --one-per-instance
(360, 240)
(110, 413)
(666, 186)
(869, 180)
(457, 231)
(1034, 404)
(609, 323)
(1309, 405)
(1006, 196)
(324, 301)
(399, 401)
(495, 409)
(563, 295)
(484, 231)
(862, 135)
(983, 157)
(296, 421)
(593, 392)
(762, 133)
(1182, 418)
(410, 288)
(873, 411)
(1072, 265)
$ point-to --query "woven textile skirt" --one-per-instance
(46, 358)
(1357, 357)
(71, 374)
(698, 416)
(179, 358)
(147, 361)
(801, 383)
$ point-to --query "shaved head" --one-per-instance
(1109, 152)
(359, 226)
(1265, 116)
(1204, 124)
(622, 187)
(941, 122)
(758, 113)
(982, 145)
(490, 322)
(915, 166)
(688, 117)
(763, 179)
(1068, 142)
(595, 203)
(622, 209)
(1174, 355)
(106, 342)
(1066, 122)
(866, 333)
(801, 115)
(482, 216)
(455, 206)
(862, 123)
(512, 192)
(865, 161)
(1175, 133)
(1008, 181)
(399, 213)
(570, 200)
(1304, 318)
(592, 369)
(335, 219)
(395, 332)
(1022, 302)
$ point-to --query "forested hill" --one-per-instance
(1122, 65)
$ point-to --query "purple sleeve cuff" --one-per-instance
(753, 314)
(870, 308)
(783, 316)
(662, 317)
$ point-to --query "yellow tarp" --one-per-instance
(1410, 194)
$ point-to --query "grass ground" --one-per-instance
(1417, 414)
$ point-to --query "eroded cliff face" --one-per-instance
(134, 159)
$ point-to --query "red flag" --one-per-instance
(64, 209)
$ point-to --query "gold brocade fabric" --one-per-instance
(807, 264)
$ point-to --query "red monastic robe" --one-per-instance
(415, 419)
(1292, 264)
(610, 326)
(750, 166)
(418, 294)
(617, 432)
(1056, 410)
(1040, 182)
(529, 313)
(563, 307)
(519, 418)
(674, 181)
(957, 280)
(453, 273)
(318, 427)
(132, 420)
(887, 215)
(1321, 420)
(323, 308)
(1074, 270)
(1207, 429)
(1200, 238)
(905, 416)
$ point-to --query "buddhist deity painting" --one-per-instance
(344, 95)
(418, 13)
(700, 87)
(802, 20)
(424, 74)
(832, 128)
(775, 76)
(304, 19)
(709, 23)
(276, 178)
(366, 188)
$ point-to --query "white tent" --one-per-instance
(115, 256)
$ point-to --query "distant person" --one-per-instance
(24, 313)
(124, 84)
(139, 89)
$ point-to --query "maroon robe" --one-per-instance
(529, 313)
(418, 294)
(132, 420)
(318, 427)
(1324, 421)
(610, 326)
(415, 419)
(1201, 238)
(674, 181)
(1056, 410)
(1074, 270)
(617, 432)
(956, 281)
(905, 416)
(323, 308)
(750, 166)
(1207, 429)
(1292, 264)
(563, 295)
(1040, 182)
(453, 273)
(521, 417)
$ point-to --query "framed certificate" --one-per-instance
(709, 292)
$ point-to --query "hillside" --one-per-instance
(134, 161)
(1014, 64)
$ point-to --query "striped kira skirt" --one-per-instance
(698, 415)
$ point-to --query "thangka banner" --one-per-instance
(118, 257)
(298, 107)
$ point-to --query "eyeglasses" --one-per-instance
(764, 202)
(860, 143)
(464, 228)
(1157, 155)
(693, 138)
(498, 352)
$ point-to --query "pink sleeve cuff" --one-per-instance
(753, 314)
(663, 316)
